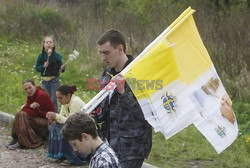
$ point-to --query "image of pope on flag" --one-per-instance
(176, 84)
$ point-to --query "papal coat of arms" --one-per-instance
(169, 102)
(221, 131)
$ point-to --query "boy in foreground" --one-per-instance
(80, 130)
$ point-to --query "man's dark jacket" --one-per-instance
(124, 125)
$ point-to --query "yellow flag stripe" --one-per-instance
(157, 66)
(179, 55)
(191, 55)
(179, 21)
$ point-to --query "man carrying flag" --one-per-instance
(190, 91)
(122, 120)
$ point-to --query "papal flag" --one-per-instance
(176, 84)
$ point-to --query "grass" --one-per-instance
(186, 149)
(190, 149)
(17, 61)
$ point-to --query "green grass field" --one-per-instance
(186, 149)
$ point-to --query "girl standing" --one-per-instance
(49, 64)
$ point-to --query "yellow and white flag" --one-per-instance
(176, 85)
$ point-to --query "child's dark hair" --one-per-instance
(66, 89)
(77, 124)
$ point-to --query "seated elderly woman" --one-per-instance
(58, 147)
(30, 126)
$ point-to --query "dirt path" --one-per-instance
(29, 158)
(24, 158)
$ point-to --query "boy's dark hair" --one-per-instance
(77, 124)
(115, 37)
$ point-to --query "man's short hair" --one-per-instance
(115, 37)
(77, 124)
